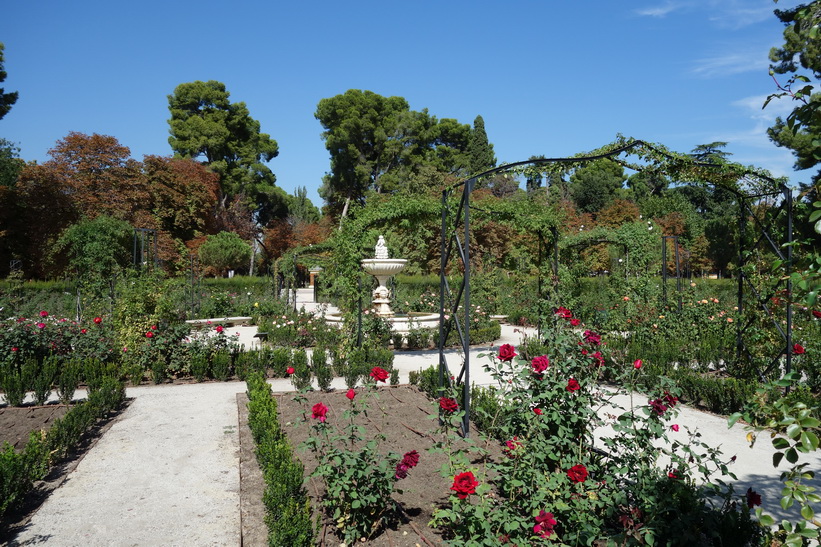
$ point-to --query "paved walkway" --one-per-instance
(167, 471)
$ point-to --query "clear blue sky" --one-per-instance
(548, 77)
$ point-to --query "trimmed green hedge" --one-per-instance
(18, 471)
(288, 510)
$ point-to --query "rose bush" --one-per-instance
(553, 485)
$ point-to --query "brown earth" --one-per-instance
(402, 415)
(16, 423)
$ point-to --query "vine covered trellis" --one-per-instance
(752, 188)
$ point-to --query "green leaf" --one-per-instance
(807, 512)
(794, 431)
(780, 443)
(791, 455)
(766, 520)
(777, 457)
(786, 502)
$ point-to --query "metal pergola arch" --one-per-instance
(450, 238)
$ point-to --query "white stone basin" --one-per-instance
(384, 266)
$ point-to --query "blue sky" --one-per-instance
(548, 77)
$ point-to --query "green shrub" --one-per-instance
(13, 380)
(322, 371)
(280, 361)
(200, 366)
(221, 365)
(301, 377)
(43, 378)
(68, 380)
(288, 511)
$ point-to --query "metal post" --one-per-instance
(443, 265)
(539, 290)
(359, 315)
(678, 272)
(742, 226)
(788, 198)
(466, 347)
(664, 269)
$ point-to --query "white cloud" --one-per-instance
(731, 63)
(660, 11)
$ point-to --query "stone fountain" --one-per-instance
(382, 268)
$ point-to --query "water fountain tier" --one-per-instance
(383, 268)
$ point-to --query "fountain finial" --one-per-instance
(381, 250)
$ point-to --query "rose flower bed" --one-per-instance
(539, 481)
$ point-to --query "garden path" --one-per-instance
(167, 472)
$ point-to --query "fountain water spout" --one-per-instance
(382, 268)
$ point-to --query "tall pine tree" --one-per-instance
(480, 150)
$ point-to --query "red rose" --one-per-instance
(506, 352)
(149, 334)
(15, 349)
(411, 459)
(816, 314)
(798, 349)
(448, 405)
(379, 374)
(572, 385)
(219, 328)
(753, 498)
(289, 370)
(98, 320)
(577, 473)
(318, 411)
(544, 524)
(43, 313)
(673, 475)
(637, 364)
(564, 313)
(511, 447)
(538, 411)
(575, 322)
(83, 331)
(592, 337)
(540, 364)
(41, 325)
(464, 484)
(153, 327)
(351, 394)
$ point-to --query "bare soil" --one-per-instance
(16, 423)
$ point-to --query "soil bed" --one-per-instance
(401, 414)
(16, 423)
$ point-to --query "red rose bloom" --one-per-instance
(318, 411)
(83, 331)
(753, 498)
(544, 524)
(592, 337)
(575, 323)
(637, 364)
(464, 484)
(149, 334)
(411, 459)
(538, 411)
(540, 364)
(153, 327)
(506, 352)
(511, 447)
(577, 473)
(289, 370)
(816, 314)
(448, 405)
(379, 374)
(351, 394)
(798, 349)
(44, 313)
(41, 325)
(564, 313)
(572, 385)
(219, 328)
(98, 320)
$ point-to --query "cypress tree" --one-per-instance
(480, 150)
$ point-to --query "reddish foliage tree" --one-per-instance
(620, 211)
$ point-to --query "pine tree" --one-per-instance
(480, 150)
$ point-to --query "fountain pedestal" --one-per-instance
(383, 269)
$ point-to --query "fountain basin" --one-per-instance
(383, 266)
(400, 322)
